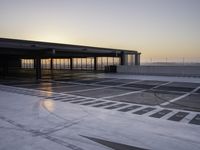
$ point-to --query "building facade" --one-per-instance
(40, 56)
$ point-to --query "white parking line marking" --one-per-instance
(189, 117)
(124, 94)
(61, 86)
(104, 87)
(105, 81)
(18, 90)
(170, 114)
(134, 92)
(180, 97)
(153, 111)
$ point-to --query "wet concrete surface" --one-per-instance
(147, 98)
(119, 90)
(99, 93)
(191, 102)
(56, 121)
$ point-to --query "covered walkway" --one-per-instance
(40, 56)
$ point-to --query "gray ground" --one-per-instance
(82, 113)
(146, 92)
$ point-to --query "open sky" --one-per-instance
(157, 28)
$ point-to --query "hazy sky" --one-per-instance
(157, 28)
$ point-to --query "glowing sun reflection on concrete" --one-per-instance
(48, 105)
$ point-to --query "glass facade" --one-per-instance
(78, 63)
(83, 63)
(46, 63)
(107, 61)
(61, 63)
(131, 60)
(27, 63)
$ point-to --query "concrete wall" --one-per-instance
(161, 70)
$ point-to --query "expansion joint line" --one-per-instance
(35, 132)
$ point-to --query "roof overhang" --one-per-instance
(46, 49)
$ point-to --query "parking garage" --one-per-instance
(85, 103)
(36, 57)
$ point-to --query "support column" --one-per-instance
(5, 67)
(71, 63)
(51, 64)
(124, 59)
(137, 59)
(38, 68)
(51, 67)
(95, 63)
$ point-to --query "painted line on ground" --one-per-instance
(188, 118)
(104, 87)
(71, 100)
(94, 102)
(55, 87)
(104, 104)
(144, 111)
(134, 92)
(81, 101)
(178, 116)
(116, 106)
(7, 89)
(161, 113)
(180, 97)
(195, 120)
(130, 108)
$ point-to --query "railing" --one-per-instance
(171, 62)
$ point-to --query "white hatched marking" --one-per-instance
(122, 107)
(93, 103)
(117, 103)
(137, 109)
(189, 117)
(104, 87)
(186, 119)
(153, 111)
(170, 114)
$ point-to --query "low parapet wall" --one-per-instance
(161, 70)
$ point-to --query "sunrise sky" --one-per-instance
(158, 28)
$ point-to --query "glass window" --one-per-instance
(27, 63)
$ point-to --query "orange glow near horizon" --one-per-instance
(158, 29)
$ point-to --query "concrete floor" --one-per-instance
(110, 111)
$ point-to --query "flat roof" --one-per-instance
(18, 44)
